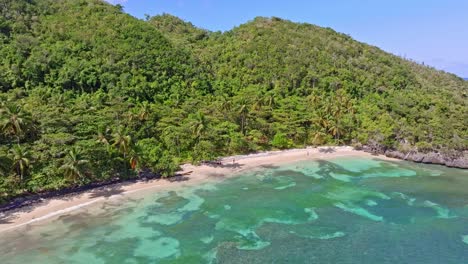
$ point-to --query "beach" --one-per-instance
(49, 209)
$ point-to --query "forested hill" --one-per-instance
(310, 71)
(89, 94)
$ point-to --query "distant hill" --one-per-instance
(89, 94)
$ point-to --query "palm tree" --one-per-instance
(14, 120)
(199, 125)
(321, 124)
(225, 105)
(21, 161)
(269, 100)
(122, 141)
(259, 102)
(73, 166)
(313, 99)
(342, 105)
(104, 136)
(322, 120)
(134, 159)
(145, 110)
(243, 112)
(318, 138)
(335, 130)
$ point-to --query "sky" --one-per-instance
(433, 32)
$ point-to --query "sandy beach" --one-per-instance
(54, 207)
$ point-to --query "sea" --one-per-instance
(336, 210)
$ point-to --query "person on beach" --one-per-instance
(233, 161)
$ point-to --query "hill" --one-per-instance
(91, 94)
(390, 101)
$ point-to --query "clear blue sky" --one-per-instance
(431, 31)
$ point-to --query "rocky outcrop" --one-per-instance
(458, 163)
(456, 160)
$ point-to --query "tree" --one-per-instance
(14, 121)
(199, 125)
(243, 112)
(73, 166)
(119, 7)
(134, 158)
(122, 141)
(335, 129)
(144, 111)
(225, 105)
(321, 120)
(21, 161)
(103, 137)
(341, 104)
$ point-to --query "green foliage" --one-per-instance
(203, 150)
(88, 93)
(167, 165)
(280, 141)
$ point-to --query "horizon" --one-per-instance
(416, 31)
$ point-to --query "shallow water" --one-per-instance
(342, 210)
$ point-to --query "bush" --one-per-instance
(280, 141)
(203, 150)
(167, 165)
(238, 144)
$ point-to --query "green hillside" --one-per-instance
(388, 100)
(89, 94)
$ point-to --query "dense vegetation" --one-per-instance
(89, 93)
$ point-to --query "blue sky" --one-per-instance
(431, 31)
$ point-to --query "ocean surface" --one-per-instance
(340, 210)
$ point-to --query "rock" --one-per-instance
(433, 158)
(456, 159)
(461, 163)
(416, 157)
(395, 154)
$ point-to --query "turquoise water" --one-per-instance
(342, 210)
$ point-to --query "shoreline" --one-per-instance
(50, 208)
